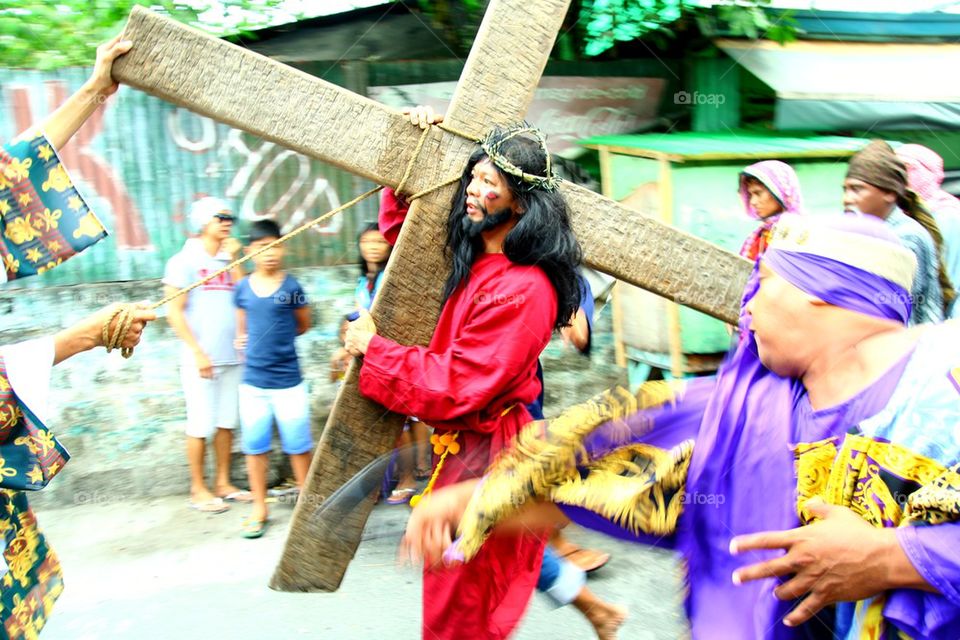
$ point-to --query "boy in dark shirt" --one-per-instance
(271, 312)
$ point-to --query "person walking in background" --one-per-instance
(876, 184)
(272, 311)
(925, 177)
(563, 574)
(768, 189)
(374, 253)
(210, 370)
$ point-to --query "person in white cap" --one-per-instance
(210, 369)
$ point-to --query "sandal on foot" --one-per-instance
(254, 528)
(588, 560)
(401, 496)
(423, 473)
(238, 496)
(213, 505)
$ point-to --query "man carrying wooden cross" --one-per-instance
(513, 281)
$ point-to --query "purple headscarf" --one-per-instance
(842, 284)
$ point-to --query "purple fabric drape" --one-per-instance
(741, 478)
(725, 498)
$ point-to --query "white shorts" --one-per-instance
(211, 402)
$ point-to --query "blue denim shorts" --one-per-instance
(289, 408)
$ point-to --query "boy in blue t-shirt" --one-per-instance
(271, 312)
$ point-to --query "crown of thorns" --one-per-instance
(495, 139)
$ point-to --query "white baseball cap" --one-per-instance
(204, 210)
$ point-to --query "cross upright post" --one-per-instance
(281, 104)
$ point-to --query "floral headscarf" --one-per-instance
(781, 180)
(925, 175)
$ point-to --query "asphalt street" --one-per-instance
(157, 570)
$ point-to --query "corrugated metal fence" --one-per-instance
(140, 162)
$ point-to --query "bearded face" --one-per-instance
(490, 202)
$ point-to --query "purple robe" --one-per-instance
(736, 420)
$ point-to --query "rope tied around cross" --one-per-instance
(491, 146)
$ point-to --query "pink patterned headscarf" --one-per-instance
(925, 175)
(781, 180)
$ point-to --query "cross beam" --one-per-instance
(298, 111)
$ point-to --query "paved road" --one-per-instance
(156, 570)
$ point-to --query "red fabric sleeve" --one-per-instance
(501, 340)
(393, 210)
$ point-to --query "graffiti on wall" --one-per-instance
(140, 162)
(269, 181)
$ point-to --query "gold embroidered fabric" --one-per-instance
(885, 483)
(545, 458)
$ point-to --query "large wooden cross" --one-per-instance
(281, 104)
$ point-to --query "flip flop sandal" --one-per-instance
(254, 528)
(238, 496)
(423, 473)
(214, 505)
(576, 556)
(401, 496)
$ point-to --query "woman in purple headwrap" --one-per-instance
(768, 189)
(826, 380)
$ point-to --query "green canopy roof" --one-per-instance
(725, 146)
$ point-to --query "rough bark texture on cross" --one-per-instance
(298, 111)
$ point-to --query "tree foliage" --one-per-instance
(41, 34)
(597, 26)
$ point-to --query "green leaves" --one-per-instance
(611, 21)
(39, 34)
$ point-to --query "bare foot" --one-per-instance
(606, 620)
(406, 484)
(200, 495)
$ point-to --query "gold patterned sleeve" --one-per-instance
(30, 455)
(10, 413)
(43, 218)
(937, 501)
(544, 455)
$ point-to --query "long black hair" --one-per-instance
(541, 237)
(372, 226)
(910, 203)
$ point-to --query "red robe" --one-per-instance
(475, 377)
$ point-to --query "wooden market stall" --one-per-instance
(691, 180)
